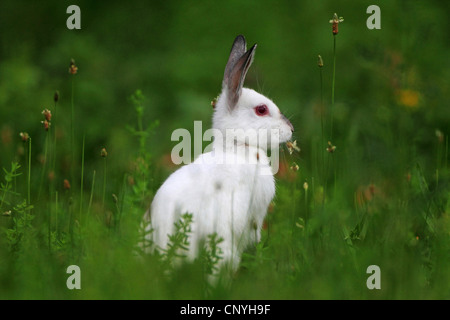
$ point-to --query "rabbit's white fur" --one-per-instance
(229, 189)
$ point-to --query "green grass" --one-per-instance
(381, 198)
(313, 250)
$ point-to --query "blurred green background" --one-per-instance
(175, 52)
(391, 113)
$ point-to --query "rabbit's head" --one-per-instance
(241, 109)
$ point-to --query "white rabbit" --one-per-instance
(229, 189)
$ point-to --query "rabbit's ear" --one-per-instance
(238, 64)
(237, 50)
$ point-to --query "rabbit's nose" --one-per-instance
(288, 122)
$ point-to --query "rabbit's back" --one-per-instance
(224, 196)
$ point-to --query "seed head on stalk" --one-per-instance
(335, 23)
(66, 184)
(331, 148)
(292, 146)
(319, 61)
(46, 124)
(305, 186)
(73, 69)
(47, 114)
(24, 136)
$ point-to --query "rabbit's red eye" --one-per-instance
(261, 110)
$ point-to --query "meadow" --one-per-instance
(86, 118)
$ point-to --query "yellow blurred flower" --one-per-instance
(408, 98)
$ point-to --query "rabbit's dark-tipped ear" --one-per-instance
(237, 50)
(237, 66)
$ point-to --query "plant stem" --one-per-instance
(53, 162)
(29, 172)
(294, 201)
(446, 151)
(322, 148)
(44, 164)
(72, 164)
(56, 212)
(92, 193)
(306, 204)
(333, 84)
(313, 193)
(321, 115)
(335, 175)
(326, 179)
(121, 200)
(82, 177)
(49, 228)
(332, 107)
(72, 244)
(104, 182)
